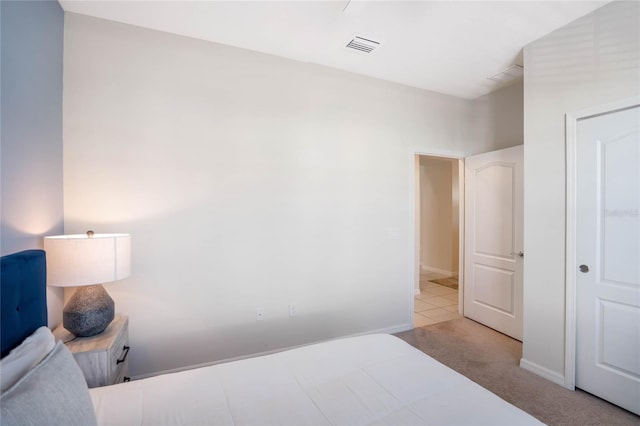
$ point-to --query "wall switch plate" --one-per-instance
(293, 310)
(259, 314)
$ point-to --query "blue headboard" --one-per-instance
(23, 296)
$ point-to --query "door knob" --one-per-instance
(521, 253)
(584, 269)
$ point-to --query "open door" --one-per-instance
(493, 240)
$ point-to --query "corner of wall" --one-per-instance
(541, 371)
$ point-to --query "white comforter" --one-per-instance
(375, 379)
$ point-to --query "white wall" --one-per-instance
(589, 62)
(497, 119)
(436, 214)
(31, 152)
(246, 181)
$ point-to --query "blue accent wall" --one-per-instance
(31, 133)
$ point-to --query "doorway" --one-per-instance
(438, 230)
(489, 200)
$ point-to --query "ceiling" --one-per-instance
(450, 47)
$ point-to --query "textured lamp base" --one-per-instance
(89, 311)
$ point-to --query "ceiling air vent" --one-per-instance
(362, 44)
(512, 73)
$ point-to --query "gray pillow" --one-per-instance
(54, 392)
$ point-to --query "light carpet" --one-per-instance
(491, 359)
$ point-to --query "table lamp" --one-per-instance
(87, 261)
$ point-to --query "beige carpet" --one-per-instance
(491, 359)
(451, 282)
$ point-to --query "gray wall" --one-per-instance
(590, 62)
(31, 153)
(246, 180)
(497, 119)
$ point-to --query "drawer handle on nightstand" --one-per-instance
(124, 357)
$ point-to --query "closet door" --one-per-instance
(608, 256)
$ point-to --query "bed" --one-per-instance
(372, 379)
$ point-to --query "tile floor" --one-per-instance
(436, 303)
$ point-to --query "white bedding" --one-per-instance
(375, 379)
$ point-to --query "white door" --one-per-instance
(608, 256)
(493, 240)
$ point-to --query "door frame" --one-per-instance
(571, 129)
(415, 235)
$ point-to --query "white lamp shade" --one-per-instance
(78, 260)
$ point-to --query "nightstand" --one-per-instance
(102, 358)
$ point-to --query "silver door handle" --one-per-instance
(584, 269)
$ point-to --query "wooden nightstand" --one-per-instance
(102, 358)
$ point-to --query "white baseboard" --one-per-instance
(436, 270)
(541, 371)
(387, 330)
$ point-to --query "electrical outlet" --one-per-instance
(293, 310)
(259, 314)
